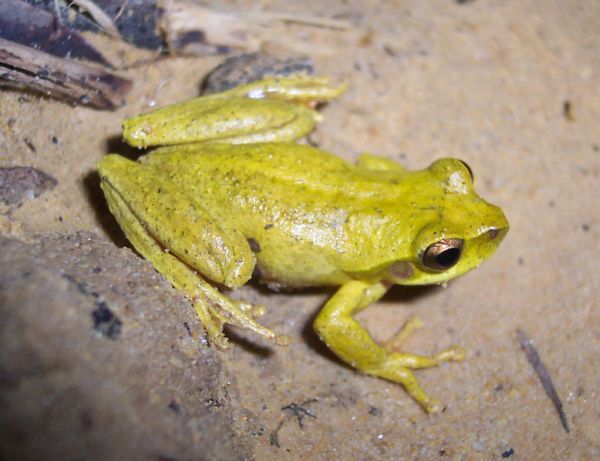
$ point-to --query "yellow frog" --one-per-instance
(231, 195)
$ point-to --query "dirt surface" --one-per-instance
(510, 87)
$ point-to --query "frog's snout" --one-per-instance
(498, 226)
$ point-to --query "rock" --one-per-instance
(20, 183)
(251, 67)
(94, 366)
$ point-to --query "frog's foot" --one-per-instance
(413, 324)
(216, 310)
(353, 344)
(396, 367)
(453, 353)
(393, 369)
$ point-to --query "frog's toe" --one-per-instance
(433, 406)
(258, 310)
(454, 353)
(255, 310)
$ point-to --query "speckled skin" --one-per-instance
(252, 202)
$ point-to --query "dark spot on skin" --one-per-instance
(54, 140)
(254, 245)
(551, 204)
(585, 227)
(464, 2)
(175, 407)
(596, 148)
(105, 321)
(520, 261)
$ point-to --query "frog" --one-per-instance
(230, 192)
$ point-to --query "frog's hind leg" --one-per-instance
(213, 308)
(269, 110)
(353, 344)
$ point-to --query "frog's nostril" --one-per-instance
(493, 233)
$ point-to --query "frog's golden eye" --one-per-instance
(466, 165)
(443, 255)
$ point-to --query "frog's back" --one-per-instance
(312, 215)
(271, 168)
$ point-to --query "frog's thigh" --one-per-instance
(177, 220)
(353, 344)
(213, 308)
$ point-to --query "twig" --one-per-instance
(534, 359)
(23, 66)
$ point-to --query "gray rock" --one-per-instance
(93, 366)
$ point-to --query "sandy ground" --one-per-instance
(512, 88)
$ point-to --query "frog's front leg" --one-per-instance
(355, 346)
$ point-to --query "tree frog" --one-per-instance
(230, 194)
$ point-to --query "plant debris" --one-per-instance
(299, 411)
(33, 27)
(38, 52)
(26, 67)
(135, 22)
(534, 359)
(296, 410)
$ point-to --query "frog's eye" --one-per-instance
(443, 255)
(468, 168)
